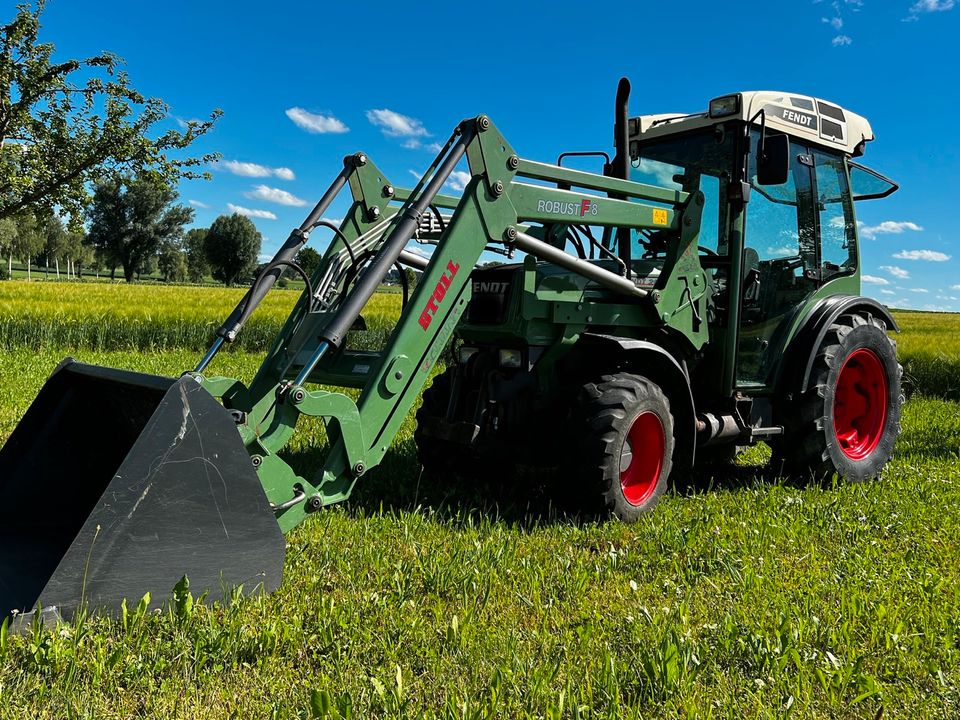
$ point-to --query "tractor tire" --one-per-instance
(626, 443)
(437, 456)
(849, 419)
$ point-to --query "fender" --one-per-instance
(799, 354)
(657, 364)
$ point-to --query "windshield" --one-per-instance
(689, 162)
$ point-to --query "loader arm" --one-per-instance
(499, 206)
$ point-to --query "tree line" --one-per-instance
(134, 227)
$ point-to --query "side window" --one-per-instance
(838, 252)
(709, 227)
(773, 230)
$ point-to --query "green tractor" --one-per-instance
(701, 294)
(751, 327)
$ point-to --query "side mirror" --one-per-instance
(773, 161)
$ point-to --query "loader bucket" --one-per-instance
(115, 484)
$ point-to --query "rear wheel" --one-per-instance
(626, 438)
(437, 456)
(849, 419)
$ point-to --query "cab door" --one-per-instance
(779, 267)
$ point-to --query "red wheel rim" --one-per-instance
(642, 458)
(860, 404)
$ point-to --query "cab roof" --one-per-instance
(804, 117)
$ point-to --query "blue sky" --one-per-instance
(302, 84)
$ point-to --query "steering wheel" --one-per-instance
(708, 251)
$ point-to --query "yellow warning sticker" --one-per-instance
(659, 217)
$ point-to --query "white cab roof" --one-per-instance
(807, 118)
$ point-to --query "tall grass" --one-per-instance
(929, 349)
(103, 317)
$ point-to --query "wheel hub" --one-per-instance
(641, 460)
(860, 404)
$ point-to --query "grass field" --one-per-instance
(752, 598)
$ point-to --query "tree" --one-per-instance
(309, 259)
(8, 236)
(172, 261)
(66, 124)
(74, 252)
(232, 245)
(131, 217)
(197, 265)
(84, 257)
(412, 278)
(55, 241)
(29, 242)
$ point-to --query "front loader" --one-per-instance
(701, 294)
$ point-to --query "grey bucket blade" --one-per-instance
(115, 484)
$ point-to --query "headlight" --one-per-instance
(466, 353)
(723, 106)
(510, 358)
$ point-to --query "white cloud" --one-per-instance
(955, 287)
(835, 22)
(841, 40)
(184, 124)
(316, 123)
(662, 172)
(412, 144)
(419, 250)
(874, 280)
(393, 124)
(434, 147)
(275, 195)
(897, 272)
(919, 290)
(249, 169)
(197, 203)
(888, 227)
(888, 292)
(458, 180)
(928, 255)
(262, 214)
(783, 251)
(928, 6)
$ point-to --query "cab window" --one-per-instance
(838, 237)
(695, 161)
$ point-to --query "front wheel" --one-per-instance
(626, 437)
(849, 419)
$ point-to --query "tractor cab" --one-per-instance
(778, 228)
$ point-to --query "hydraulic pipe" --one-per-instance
(285, 254)
(371, 278)
(547, 252)
(408, 258)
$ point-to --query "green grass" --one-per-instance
(751, 598)
(105, 316)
